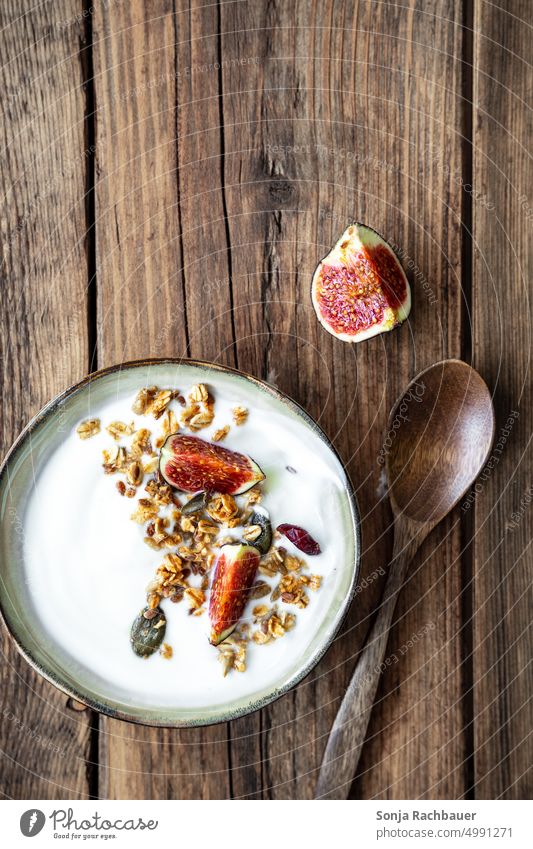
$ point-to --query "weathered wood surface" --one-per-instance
(223, 148)
(45, 745)
(502, 321)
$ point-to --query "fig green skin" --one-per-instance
(145, 638)
(367, 235)
(215, 640)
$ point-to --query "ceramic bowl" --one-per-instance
(19, 476)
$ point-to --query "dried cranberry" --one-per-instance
(300, 538)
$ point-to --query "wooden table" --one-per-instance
(170, 177)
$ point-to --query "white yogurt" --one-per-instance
(88, 567)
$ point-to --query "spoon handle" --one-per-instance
(348, 733)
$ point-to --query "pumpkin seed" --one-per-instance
(196, 504)
(147, 634)
(263, 538)
(260, 589)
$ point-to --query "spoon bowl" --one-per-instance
(444, 428)
(440, 435)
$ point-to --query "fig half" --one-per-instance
(360, 289)
(190, 464)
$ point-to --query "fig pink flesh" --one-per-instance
(353, 297)
(191, 464)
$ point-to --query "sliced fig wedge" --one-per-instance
(360, 289)
(190, 464)
(235, 572)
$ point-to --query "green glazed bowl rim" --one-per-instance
(277, 692)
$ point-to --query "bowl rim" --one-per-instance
(277, 692)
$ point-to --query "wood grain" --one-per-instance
(327, 126)
(234, 141)
(151, 228)
(502, 321)
(44, 344)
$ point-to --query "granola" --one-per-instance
(220, 433)
(135, 473)
(224, 510)
(88, 428)
(292, 591)
(166, 651)
(142, 400)
(159, 403)
(140, 443)
(146, 510)
(200, 409)
(273, 625)
(120, 429)
(188, 542)
(240, 414)
(251, 532)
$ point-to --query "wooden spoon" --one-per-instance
(440, 434)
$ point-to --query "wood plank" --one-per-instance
(330, 123)
(502, 270)
(284, 124)
(45, 744)
(154, 243)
